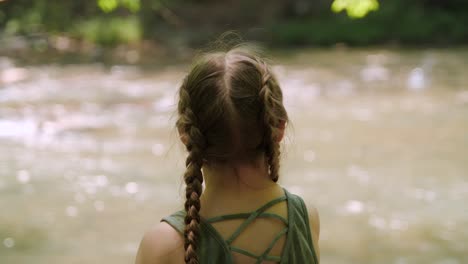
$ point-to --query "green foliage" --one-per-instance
(109, 31)
(110, 5)
(415, 24)
(111, 22)
(323, 32)
(107, 5)
(355, 8)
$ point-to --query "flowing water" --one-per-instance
(89, 158)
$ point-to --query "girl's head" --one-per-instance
(230, 109)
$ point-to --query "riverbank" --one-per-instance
(61, 49)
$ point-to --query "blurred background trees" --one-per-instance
(276, 22)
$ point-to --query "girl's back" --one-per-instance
(231, 120)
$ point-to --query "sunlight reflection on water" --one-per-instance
(89, 158)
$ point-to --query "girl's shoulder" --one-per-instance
(307, 209)
(309, 215)
(176, 220)
(161, 244)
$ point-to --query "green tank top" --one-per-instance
(212, 248)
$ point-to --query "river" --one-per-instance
(378, 142)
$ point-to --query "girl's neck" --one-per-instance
(236, 186)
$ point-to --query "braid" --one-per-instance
(193, 176)
(271, 104)
(220, 100)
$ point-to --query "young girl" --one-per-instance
(231, 119)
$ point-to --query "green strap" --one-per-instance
(252, 217)
(265, 255)
(244, 252)
(245, 215)
(272, 244)
(249, 218)
(273, 258)
(252, 255)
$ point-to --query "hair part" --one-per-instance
(230, 108)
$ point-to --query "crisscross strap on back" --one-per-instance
(250, 217)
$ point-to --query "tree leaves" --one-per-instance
(108, 6)
(355, 8)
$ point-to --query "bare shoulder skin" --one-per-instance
(314, 221)
(161, 244)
